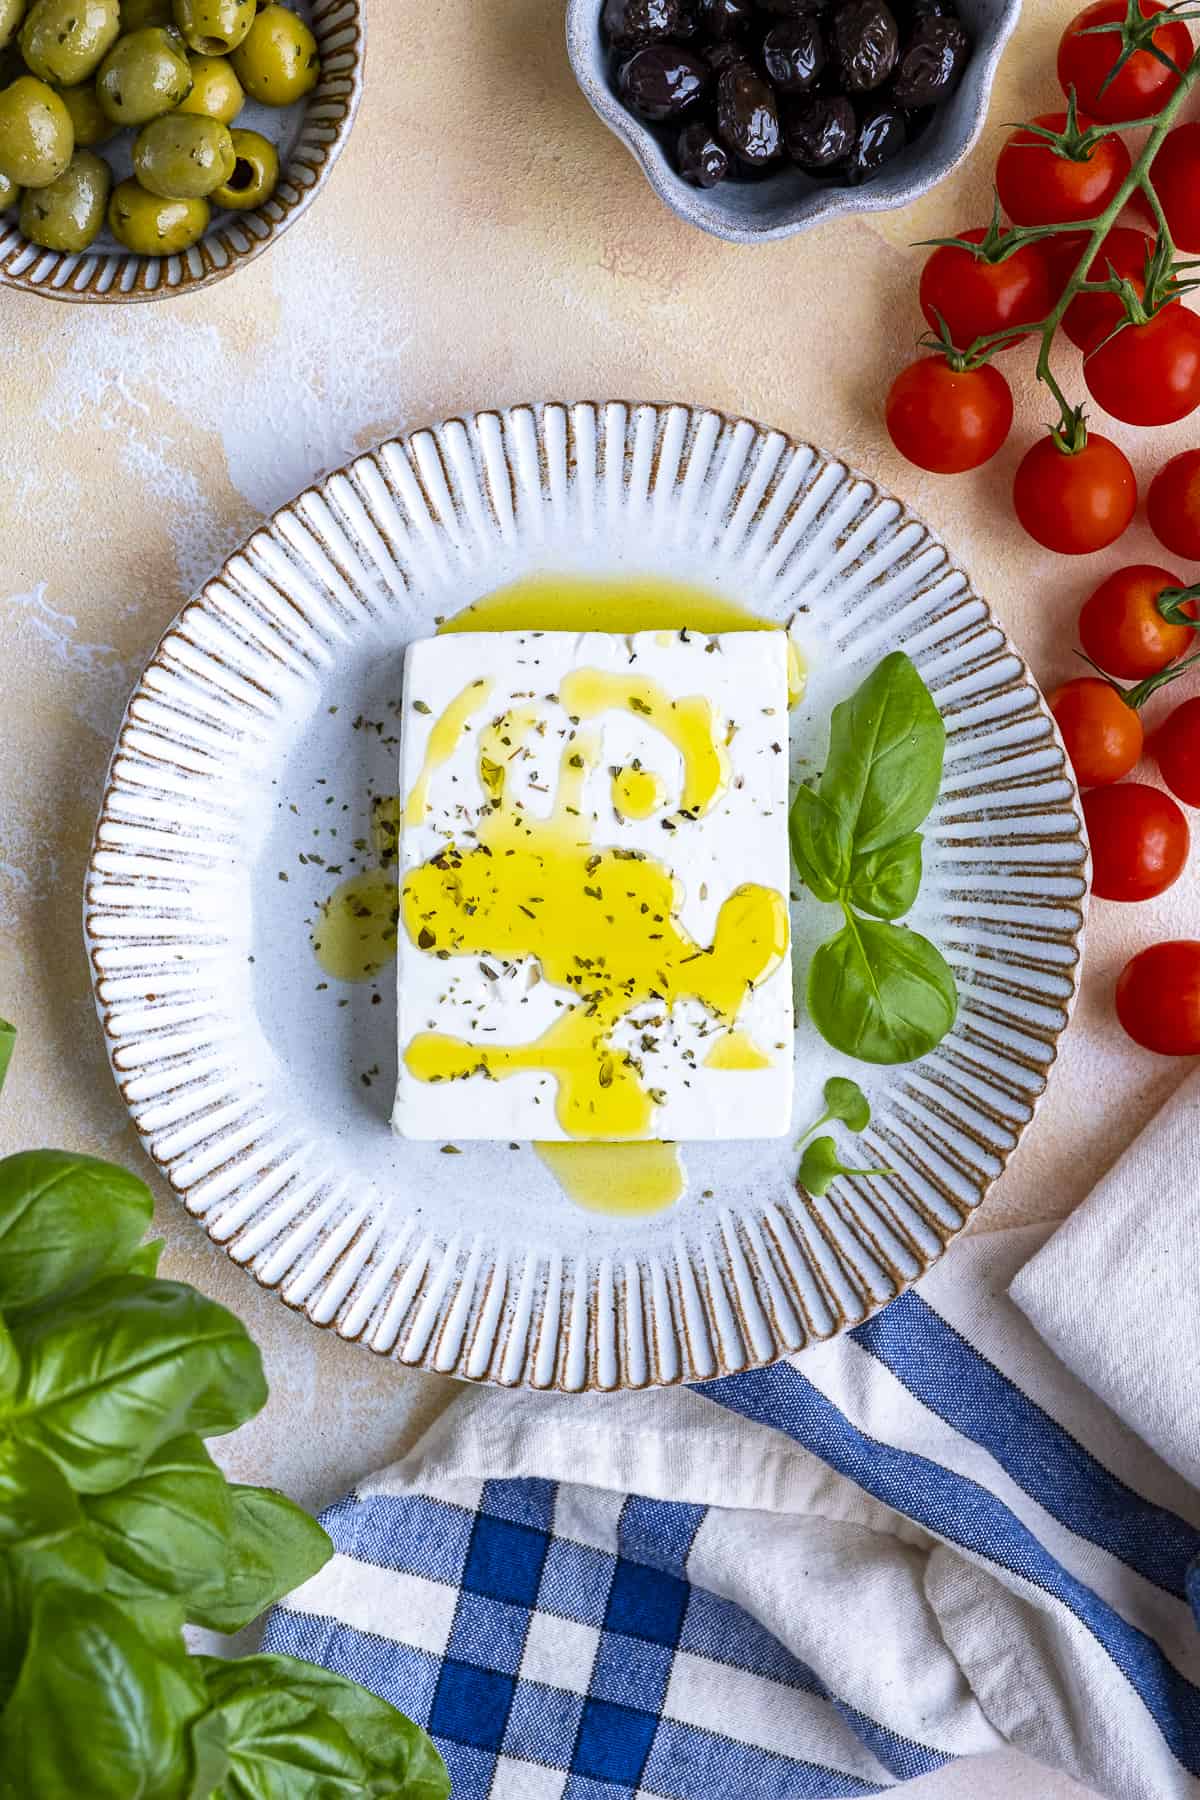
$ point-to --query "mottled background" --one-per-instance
(483, 240)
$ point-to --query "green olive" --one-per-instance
(137, 13)
(183, 157)
(277, 61)
(91, 122)
(65, 41)
(214, 27)
(216, 90)
(152, 226)
(9, 192)
(11, 14)
(36, 135)
(68, 213)
(255, 172)
(144, 75)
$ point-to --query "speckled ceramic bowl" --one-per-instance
(790, 201)
(309, 139)
(265, 722)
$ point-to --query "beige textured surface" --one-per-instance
(482, 240)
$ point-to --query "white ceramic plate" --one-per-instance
(239, 754)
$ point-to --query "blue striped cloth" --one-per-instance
(921, 1542)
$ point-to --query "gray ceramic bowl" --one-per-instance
(789, 201)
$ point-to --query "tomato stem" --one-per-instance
(1098, 229)
(1171, 603)
(1137, 696)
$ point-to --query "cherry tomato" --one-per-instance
(1139, 839)
(1103, 735)
(948, 420)
(1158, 998)
(1173, 505)
(1175, 746)
(1086, 58)
(1122, 629)
(1091, 317)
(1149, 374)
(976, 297)
(1075, 504)
(1176, 175)
(1037, 186)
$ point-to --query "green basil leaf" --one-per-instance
(37, 1505)
(96, 1710)
(8, 1037)
(146, 1258)
(845, 1100)
(23, 1571)
(392, 1745)
(166, 1530)
(273, 1546)
(210, 1756)
(886, 747)
(65, 1222)
(820, 843)
(10, 1368)
(122, 1368)
(881, 993)
(279, 1746)
(885, 882)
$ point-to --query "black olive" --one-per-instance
(628, 24)
(725, 55)
(881, 135)
(702, 161)
(867, 44)
(717, 20)
(790, 9)
(663, 80)
(793, 55)
(820, 131)
(747, 119)
(931, 63)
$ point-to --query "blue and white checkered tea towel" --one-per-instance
(923, 1541)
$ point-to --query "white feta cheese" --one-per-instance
(594, 874)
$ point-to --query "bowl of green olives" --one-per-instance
(151, 147)
(755, 119)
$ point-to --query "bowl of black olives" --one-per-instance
(757, 118)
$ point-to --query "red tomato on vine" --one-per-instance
(1148, 374)
(1158, 998)
(1175, 173)
(1175, 747)
(1102, 734)
(1124, 629)
(1139, 840)
(1075, 501)
(948, 420)
(1173, 505)
(1109, 84)
(976, 294)
(1041, 183)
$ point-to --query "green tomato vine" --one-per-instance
(1166, 277)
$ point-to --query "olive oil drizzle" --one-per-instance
(599, 923)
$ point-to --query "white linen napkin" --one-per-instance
(1115, 1293)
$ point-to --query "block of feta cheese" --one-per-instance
(593, 932)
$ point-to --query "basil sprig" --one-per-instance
(116, 1528)
(876, 990)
